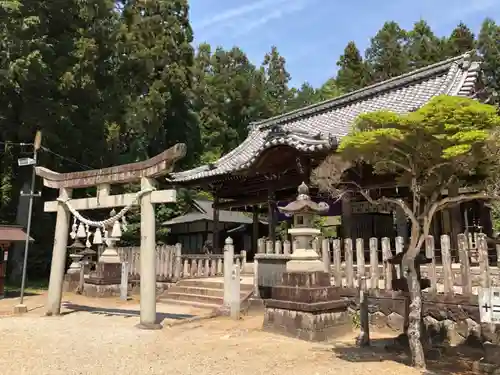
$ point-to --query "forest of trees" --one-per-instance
(111, 82)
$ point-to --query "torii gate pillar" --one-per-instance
(145, 172)
(148, 259)
(58, 263)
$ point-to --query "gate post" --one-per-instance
(148, 260)
(59, 255)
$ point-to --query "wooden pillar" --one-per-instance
(485, 219)
(401, 224)
(456, 225)
(346, 218)
(255, 229)
(271, 215)
(216, 236)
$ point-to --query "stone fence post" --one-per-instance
(261, 246)
(228, 267)
(325, 252)
(234, 295)
(178, 262)
(243, 256)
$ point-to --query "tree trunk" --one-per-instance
(415, 310)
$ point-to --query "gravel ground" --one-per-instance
(89, 343)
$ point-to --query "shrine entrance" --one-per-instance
(108, 231)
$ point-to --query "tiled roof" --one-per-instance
(206, 212)
(321, 125)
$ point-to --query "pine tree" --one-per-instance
(489, 48)
(352, 74)
(460, 41)
(424, 48)
(387, 55)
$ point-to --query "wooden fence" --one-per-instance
(172, 265)
(349, 262)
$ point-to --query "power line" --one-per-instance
(66, 158)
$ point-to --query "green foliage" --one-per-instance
(443, 139)
(495, 217)
(460, 41)
(423, 47)
(488, 46)
(353, 72)
(319, 222)
(387, 56)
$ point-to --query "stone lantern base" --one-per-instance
(104, 281)
(307, 307)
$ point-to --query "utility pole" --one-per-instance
(21, 308)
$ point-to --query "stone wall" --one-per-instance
(448, 319)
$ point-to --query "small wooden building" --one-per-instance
(279, 153)
(197, 226)
(8, 235)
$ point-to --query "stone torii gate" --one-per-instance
(145, 172)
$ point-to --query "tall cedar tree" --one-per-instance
(489, 49)
(387, 56)
(352, 74)
(228, 97)
(277, 78)
(155, 44)
(423, 47)
(57, 70)
(460, 41)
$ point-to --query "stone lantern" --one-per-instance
(303, 210)
(86, 261)
(305, 304)
(75, 248)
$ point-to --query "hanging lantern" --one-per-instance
(97, 237)
(80, 233)
(116, 232)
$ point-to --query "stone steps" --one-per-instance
(199, 293)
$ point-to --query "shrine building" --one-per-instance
(280, 152)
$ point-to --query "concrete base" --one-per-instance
(101, 291)
(149, 326)
(305, 260)
(71, 282)
(307, 307)
(20, 309)
(307, 326)
(304, 265)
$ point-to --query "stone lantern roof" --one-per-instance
(303, 204)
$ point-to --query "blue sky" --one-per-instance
(311, 34)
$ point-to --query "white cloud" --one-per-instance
(291, 7)
(237, 12)
(243, 19)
